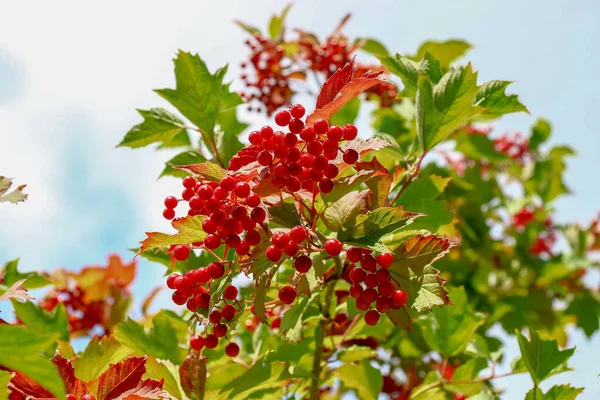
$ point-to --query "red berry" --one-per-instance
(291, 249)
(179, 298)
(169, 213)
(287, 295)
(357, 275)
(350, 156)
(308, 134)
(211, 341)
(371, 280)
(369, 263)
(189, 182)
(228, 311)
(386, 289)
(354, 254)
(171, 281)
(243, 248)
(350, 132)
(188, 194)
(385, 260)
(230, 292)
(255, 138)
(181, 253)
(326, 186)
(273, 253)
(307, 160)
(253, 200)
(266, 132)
(88, 396)
(356, 290)
(297, 111)
(252, 237)
(258, 214)
(296, 126)
(71, 397)
(335, 133)
(330, 146)
(202, 300)
(333, 247)
(399, 298)
(321, 126)
(212, 241)
(242, 189)
(264, 158)
(191, 305)
(372, 317)
(282, 118)
(205, 192)
(303, 264)
(183, 284)
(370, 295)
(383, 304)
(362, 304)
(216, 270)
(196, 203)
(220, 330)
(382, 275)
(290, 139)
(232, 350)
(314, 147)
(232, 240)
(331, 171)
(298, 234)
(196, 343)
(227, 183)
(171, 202)
(280, 239)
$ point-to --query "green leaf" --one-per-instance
(185, 158)
(346, 209)
(449, 329)
(5, 377)
(466, 372)
(190, 231)
(161, 369)
(260, 376)
(291, 323)
(409, 70)
(491, 96)
(228, 145)
(363, 378)
(198, 92)
(587, 310)
(285, 214)
(445, 52)
(556, 392)
(376, 224)
(540, 132)
(20, 349)
(347, 114)
(161, 341)
(478, 148)
(276, 25)
(15, 196)
(541, 356)
(372, 46)
(412, 268)
(38, 319)
(248, 28)
(547, 177)
(33, 280)
(444, 107)
(98, 356)
(159, 126)
(205, 170)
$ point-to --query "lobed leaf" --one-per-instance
(15, 196)
(541, 356)
(189, 231)
(340, 78)
(73, 385)
(491, 96)
(159, 126)
(98, 355)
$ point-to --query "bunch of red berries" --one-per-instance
(193, 289)
(385, 92)
(523, 217)
(327, 56)
(372, 284)
(232, 209)
(269, 83)
(83, 315)
(513, 145)
(302, 158)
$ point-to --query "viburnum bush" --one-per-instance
(310, 258)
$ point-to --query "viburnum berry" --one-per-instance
(385, 260)
(211, 341)
(280, 239)
(197, 343)
(282, 117)
(371, 280)
(178, 298)
(335, 133)
(71, 397)
(242, 189)
(321, 127)
(362, 304)
(287, 295)
(191, 305)
(350, 132)
(354, 254)
(220, 330)
(183, 284)
(253, 200)
(171, 202)
(356, 290)
(372, 317)
(189, 182)
(264, 158)
(350, 156)
(171, 281)
(181, 253)
(202, 300)
(298, 234)
(382, 275)
(297, 111)
(369, 263)
(169, 213)
(303, 264)
(232, 349)
(296, 126)
(308, 134)
(273, 253)
(252, 237)
(255, 138)
(258, 214)
(228, 311)
(326, 186)
(88, 396)
(216, 270)
(357, 275)
(230, 292)
(370, 295)
(215, 316)
(212, 241)
(383, 304)
(333, 247)
(386, 288)
(291, 249)
(399, 298)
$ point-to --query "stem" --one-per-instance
(320, 330)
(411, 175)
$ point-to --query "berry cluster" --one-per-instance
(267, 81)
(87, 396)
(385, 92)
(302, 158)
(232, 209)
(372, 283)
(193, 289)
(523, 217)
(83, 316)
(328, 56)
(514, 145)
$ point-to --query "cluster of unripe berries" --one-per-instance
(193, 290)
(303, 157)
(372, 285)
(232, 209)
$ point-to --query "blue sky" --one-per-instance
(71, 75)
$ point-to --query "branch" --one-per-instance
(320, 330)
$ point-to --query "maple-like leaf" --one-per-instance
(350, 90)
(189, 228)
(73, 385)
(15, 196)
(120, 378)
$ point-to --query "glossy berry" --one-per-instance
(71, 397)
(253, 200)
(216, 270)
(183, 284)
(273, 253)
(399, 298)
(242, 189)
(291, 249)
(171, 281)
(202, 300)
(169, 213)
(196, 343)
(362, 304)
(228, 312)
(220, 330)
(350, 156)
(280, 239)
(232, 350)
(171, 202)
(356, 290)
(385, 260)
(287, 295)
(88, 396)
(189, 182)
(354, 254)
(383, 304)
(369, 263)
(303, 264)
(357, 275)
(298, 234)
(372, 317)
(178, 298)
(283, 118)
(333, 247)
(321, 127)
(264, 158)
(181, 253)
(211, 341)
(350, 132)
(297, 111)
(326, 186)
(215, 317)
(230, 292)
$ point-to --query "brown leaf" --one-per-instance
(192, 373)
(73, 385)
(120, 378)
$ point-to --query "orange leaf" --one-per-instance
(73, 385)
(120, 378)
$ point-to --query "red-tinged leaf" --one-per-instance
(28, 387)
(206, 170)
(189, 228)
(192, 374)
(363, 147)
(120, 378)
(73, 385)
(380, 181)
(146, 389)
(428, 246)
(335, 83)
(243, 157)
(352, 89)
